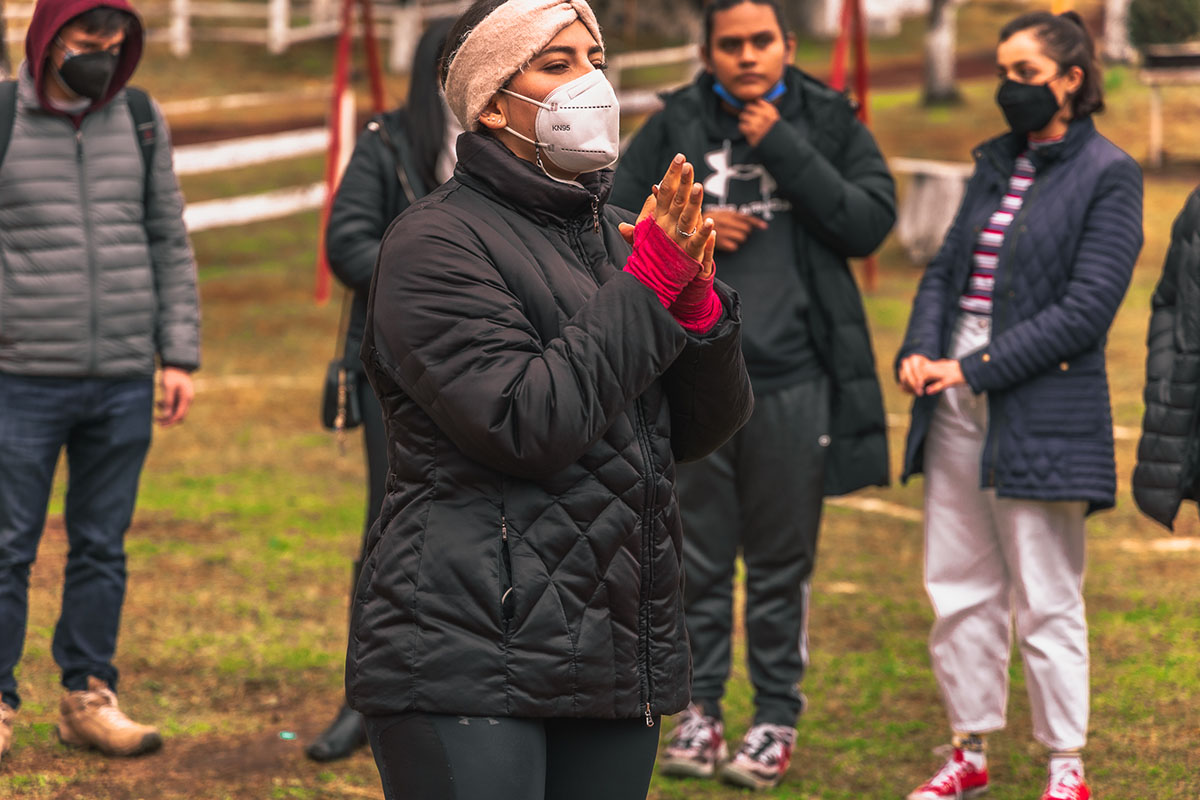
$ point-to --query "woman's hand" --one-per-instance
(912, 374)
(943, 374)
(920, 376)
(676, 205)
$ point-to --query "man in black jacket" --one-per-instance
(796, 185)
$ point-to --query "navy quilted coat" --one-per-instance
(527, 558)
(1168, 457)
(1063, 270)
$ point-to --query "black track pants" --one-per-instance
(448, 757)
(760, 493)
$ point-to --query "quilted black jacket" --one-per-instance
(1064, 268)
(1169, 452)
(527, 558)
(827, 164)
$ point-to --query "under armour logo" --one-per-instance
(716, 185)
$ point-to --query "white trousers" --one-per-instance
(989, 560)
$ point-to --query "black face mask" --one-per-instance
(88, 74)
(1028, 107)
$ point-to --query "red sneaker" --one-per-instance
(1066, 785)
(958, 779)
(697, 745)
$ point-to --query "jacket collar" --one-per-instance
(790, 104)
(1002, 151)
(486, 165)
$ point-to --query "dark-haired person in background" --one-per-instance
(796, 185)
(1012, 424)
(1168, 455)
(99, 288)
(401, 156)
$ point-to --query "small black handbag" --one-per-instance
(340, 409)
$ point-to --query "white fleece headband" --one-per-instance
(501, 44)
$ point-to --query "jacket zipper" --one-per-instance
(647, 559)
(93, 316)
(647, 556)
(1008, 247)
(506, 574)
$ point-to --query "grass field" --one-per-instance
(234, 625)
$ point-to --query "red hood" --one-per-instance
(49, 16)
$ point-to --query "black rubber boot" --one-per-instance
(346, 733)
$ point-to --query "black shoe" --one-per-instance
(344, 735)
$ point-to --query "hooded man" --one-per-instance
(97, 289)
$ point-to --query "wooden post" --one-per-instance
(1156, 127)
(347, 123)
(181, 28)
(406, 30)
(1116, 31)
(278, 25)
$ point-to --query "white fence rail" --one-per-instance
(275, 24)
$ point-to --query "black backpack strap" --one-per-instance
(8, 114)
(145, 129)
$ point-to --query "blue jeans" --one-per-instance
(104, 424)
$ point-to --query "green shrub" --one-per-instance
(1163, 21)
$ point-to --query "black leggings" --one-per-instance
(448, 757)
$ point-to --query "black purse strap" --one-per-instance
(401, 172)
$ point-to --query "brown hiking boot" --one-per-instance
(6, 726)
(91, 719)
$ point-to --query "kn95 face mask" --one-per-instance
(578, 124)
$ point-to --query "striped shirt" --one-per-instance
(977, 299)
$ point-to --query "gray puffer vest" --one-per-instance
(97, 275)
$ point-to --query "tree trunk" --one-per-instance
(5, 64)
(1116, 31)
(940, 47)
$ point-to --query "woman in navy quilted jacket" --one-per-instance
(1011, 421)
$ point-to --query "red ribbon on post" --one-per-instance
(852, 18)
(341, 82)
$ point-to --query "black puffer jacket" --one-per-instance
(369, 197)
(828, 166)
(1169, 453)
(536, 397)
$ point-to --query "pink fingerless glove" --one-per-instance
(659, 263)
(697, 308)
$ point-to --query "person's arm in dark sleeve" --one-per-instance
(177, 322)
(452, 335)
(641, 166)
(850, 209)
(1108, 250)
(708, 388)
(360, 214)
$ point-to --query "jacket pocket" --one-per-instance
(507, 600)
(1064, 404)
